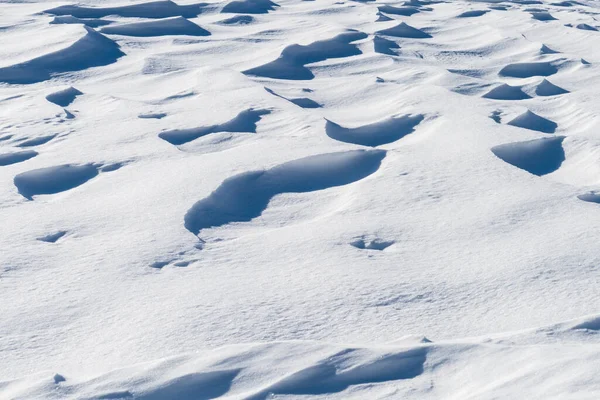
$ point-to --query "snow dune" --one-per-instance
(256, 199)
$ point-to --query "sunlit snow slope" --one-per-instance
(255, 199)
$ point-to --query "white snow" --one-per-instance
(296, 199)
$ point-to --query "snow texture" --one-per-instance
(264, 199)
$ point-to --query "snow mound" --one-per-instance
(64, 97)
(291, 63)
(16, 157)
(376, 134)
(538, 157)
(92, 50)
(506, 92)
(250, 7)
(163, 27)
(244, 122)
(547, 88)
(154, 9)
(244, 197)
(53, 180)
(404, 30)
(486, 367)
(527, 70)
(534, 122)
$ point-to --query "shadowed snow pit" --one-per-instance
(546, 88)
(405, 31)
(160, 264)
(154, 9)
(303, 102)
(538, 157)
(496, 116)
(163, 27)
(473, 13)
(238, 20)
(375, 244)
(327, 377)
(13, 158)
(385, 46)
(527, 70)
(506, 92)
(54, 179)
(250, 7)
(64, 97)
(245, 196)
(591, 197)
(382, 132)
(542, 16)
(291, 63)
(244, 122)
(53, 237)
(36, 141)
(68, 19)
(534, 122)
(92, 50)
(404, 11)
(112, 167)
(586, 27)
(152, 116)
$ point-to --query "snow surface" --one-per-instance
(258, 199)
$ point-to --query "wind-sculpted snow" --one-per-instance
(412, 368)
(404, 30)
(163, 27)
(538, 157)
(69, 20)
(547, 88)
(325, 377)
(250, 7)
(542, 16)
(376, 134)
(269, 199)
(534, 122)
(547, 50)
(303, 102)
(241, 123)
(385, 46)
(52, 180)
(64, 97)
(405, 11)
(53, 237)
(590, 197)
(92, 50)
(472, 13)
(371, 244)
(506, 92)
(527, 70)
(238, 20)
(36, 141)
(16, 157)
(291, 63)
(244, 197)
(154, 9)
